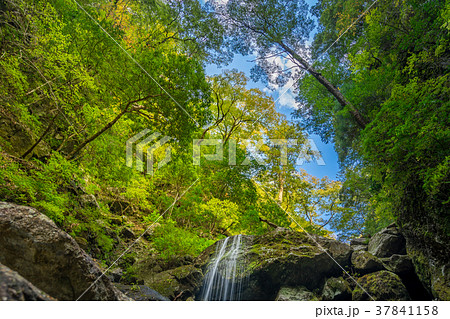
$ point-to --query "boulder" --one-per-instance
(381, 285)
(359, 241)
(88, 201)
(399, 264)
(116, 275)
(364, 262)
(284, 258)
(295, 294)
(32, 245)
(14, 287)
(429, 250)
(387, 242)
(359, 247)
(141, 293)
(337, 250)
(176, 284)
(336, 289)
(402, 266)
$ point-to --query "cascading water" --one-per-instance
(224, 278)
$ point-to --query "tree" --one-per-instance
(274, 28)
(237, 110)
(284, 146)
(392, 65)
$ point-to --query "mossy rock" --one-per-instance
(387, 242)
(359, 241)
(141, 293)
(336, 289)
(284, 258)
(176, 284)
(381, 285)
(291, 258)
(295, 294)
(364, 262)
(434, 274)
(399, 264)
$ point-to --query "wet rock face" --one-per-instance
(387, 242)
(289, 265)
(32, 245)
(380, 285)
(14, 287)
(178, 283)
(284, 258)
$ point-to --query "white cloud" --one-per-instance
(286, 96)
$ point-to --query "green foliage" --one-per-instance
(170, 240)
(67, 112)
(390, 65)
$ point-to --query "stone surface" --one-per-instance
(398, 264)
(339, 251)
(380, 285)
(116, 275)
(359, 247)
(429, 251)
(336, 289)
(364, 262)
(359, 241)
(295, 294)
(176, 284)
(387, 242)
(141, 293)
(20, 138)
(14, 287)
(284, 258)
(88, 200)
(32, 245)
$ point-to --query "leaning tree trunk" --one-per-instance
(328, 85)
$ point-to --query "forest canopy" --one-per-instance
(79, 79)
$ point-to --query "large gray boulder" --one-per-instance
(14, 287)
(381, 285)
(179, 283)
(387, 242)
(295, 294)
(364, 262)
(32, 245)
(399, 264)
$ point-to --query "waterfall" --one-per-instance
(224, 278)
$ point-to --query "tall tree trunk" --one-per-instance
(280, 189)
(327, 84)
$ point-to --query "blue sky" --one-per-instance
(286, 105)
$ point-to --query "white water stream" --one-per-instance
(223, 280)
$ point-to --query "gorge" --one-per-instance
(279, 265)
